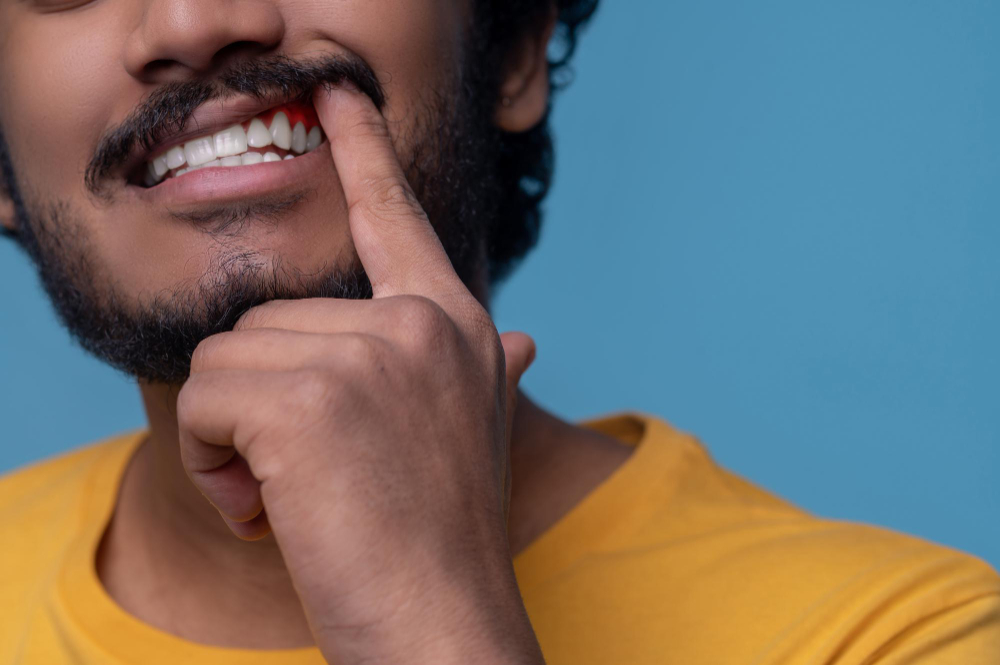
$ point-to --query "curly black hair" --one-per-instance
(527, 158)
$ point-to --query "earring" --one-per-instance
(505, 101)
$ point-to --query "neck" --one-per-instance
(169, 559)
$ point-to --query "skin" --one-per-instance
(313, 395)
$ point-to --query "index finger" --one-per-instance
(395, 241)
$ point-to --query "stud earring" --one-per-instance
(505, 101)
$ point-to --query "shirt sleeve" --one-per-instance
(964, 634)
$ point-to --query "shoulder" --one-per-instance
(858, 591)
(813, 584)
(721, 568)
(59, 477)
(44, 505)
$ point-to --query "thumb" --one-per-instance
(519, 353)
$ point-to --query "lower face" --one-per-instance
(254, 202)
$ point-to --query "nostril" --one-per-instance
(183, 38)
(163, 69)
(157, 67)
(236, 51)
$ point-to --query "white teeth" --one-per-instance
(200, 151)
(314, 139)
(175, 157)
(257, 134)
(281, 131)
(246, 159)
(231, 141)
(160, 167)
(230, 147)
(299, 138)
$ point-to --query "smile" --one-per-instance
(278, 134)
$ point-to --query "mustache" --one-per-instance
(274, 78)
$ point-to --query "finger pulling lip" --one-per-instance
(228, 184)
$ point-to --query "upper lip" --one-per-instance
(208, 118)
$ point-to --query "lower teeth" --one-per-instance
(231, 161)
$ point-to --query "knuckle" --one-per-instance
(315, 389)
(483, 327)
(369, 122)
(389, 196)
(424, 322)
(485, 338)
(361, 351)
(480, 328)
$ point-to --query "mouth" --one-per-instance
(280, 133)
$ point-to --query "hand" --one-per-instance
(371, 437)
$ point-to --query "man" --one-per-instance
(284, 218)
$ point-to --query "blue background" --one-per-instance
(775, 224)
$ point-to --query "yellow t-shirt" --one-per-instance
(671, 560)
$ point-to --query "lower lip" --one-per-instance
(233, 183)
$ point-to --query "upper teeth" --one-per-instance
(281, 132)
(230, 147)
(258, 135)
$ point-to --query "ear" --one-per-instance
(524, 91)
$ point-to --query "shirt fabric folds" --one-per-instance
(672, 559)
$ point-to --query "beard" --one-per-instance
(451, 167)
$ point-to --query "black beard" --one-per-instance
(452, 170)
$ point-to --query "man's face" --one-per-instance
(143, 272)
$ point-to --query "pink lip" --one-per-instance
(221, 184)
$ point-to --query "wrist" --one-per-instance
(441, 619)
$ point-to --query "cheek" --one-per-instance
(58, 82)
(412, 45)
(63, 86)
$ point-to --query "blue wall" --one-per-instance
(775, 224)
